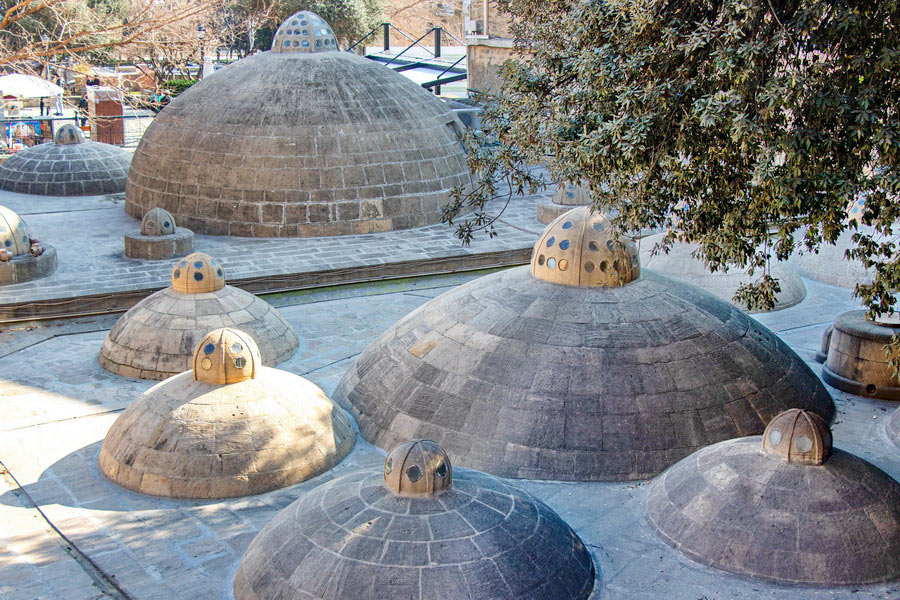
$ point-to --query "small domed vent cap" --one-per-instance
(158, 221)
(226, 356)
(68, 134)
(579, 248)
(198, 273)
(304, 32)
(798, 436)
(419, 468)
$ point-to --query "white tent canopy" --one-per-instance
(28, 86)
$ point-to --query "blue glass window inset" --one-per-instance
(287, 44)
(198, 276)
(551, 263)
(176, 273)
(219, 272)
(550, 241)
(567, 225)
(209, 348)
(564, 245)
(305, 44)
(198, 264)
(166, 224)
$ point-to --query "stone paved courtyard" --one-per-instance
(67, 533)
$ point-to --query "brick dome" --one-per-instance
(300, 144)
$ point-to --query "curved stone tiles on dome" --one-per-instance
(738, 507)
(71, 167)
(156, 338)
(479, 538)
(300, 144)
(521, 377)
(681, 264)
(227, 428)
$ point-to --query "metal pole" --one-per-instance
(387, 36)
(437, 54)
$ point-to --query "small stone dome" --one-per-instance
(417, 468)
(71, 166)
(226, 356)
(158, 336)
(572, 194)
(580, 248)
(197, 273)
(681, 263)
(855, 361)
(68, 134)
(304, 32)
(300, 142)
(757, 508)
(351, 537)
(15, 236)
(798, 436)
(248, 430)
(157, 222)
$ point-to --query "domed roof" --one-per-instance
(522, 377)
(197, 273)
(581, 248)
(193, 436)
(158, 222)
(418, 468)
(305, 32)
(798, 436)
(300, 144)
(69, 167)
(679, 262)
(156, 338)
(68, 134)
(739, 507)
(572, 194)
(226, 356)
(15, 236)
(479, 538)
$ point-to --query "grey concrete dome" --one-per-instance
(156, 338)
(478, 538)
(69, 167)
(522, 377)
(299, 144)
(738, 507)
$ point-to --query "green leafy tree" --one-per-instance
(745, 126)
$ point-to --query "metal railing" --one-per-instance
(438, 33)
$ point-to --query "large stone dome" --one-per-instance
(70, 166)
(787, 508)
(359, 537)
(156, 338)
(613, 378)
(228, 427)
(300, 143)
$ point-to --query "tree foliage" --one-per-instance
(36, 31)
(745, 126)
